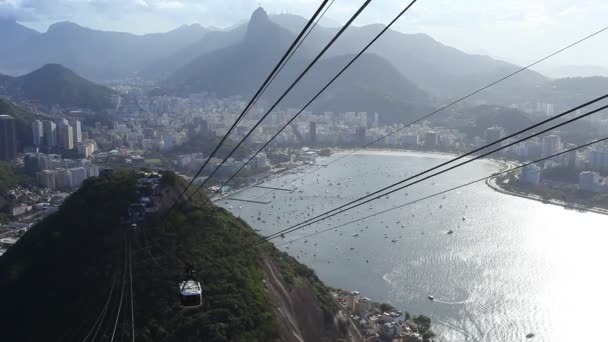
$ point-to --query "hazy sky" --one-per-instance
(516, 30)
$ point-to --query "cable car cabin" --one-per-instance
(190, 293)
(137, 212)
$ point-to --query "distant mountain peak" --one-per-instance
(259, 22)
(9, 24)
(53, 67)
(259, 14)
(54, 84)
(64, 26)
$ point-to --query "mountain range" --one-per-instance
(54, 84)
(565, 71)
(98, 55)
(234, 61)
(372, 83)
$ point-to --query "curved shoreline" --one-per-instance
(491, 183)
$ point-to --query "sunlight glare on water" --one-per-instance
(511, 267)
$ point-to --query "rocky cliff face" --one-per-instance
(302, 313)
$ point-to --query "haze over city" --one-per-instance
(303, 171)
(501, 29)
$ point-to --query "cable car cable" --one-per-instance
(386, 28)
(294, 83)
(317, 219)
(323, 217)
(122, 292)
(441, 109)
(266, 82)
(446, 191)
(293, 52)
(103, 317)
(103, 309)
(131, 294)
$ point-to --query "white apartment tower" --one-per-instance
(66, 137)
(38, 132)
(76, 130)
(50, 133)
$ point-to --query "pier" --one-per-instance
(245, 200)
(271, 188)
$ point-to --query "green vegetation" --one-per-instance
(325, 152)
(23, 120)
(424, 326)
(9, 177)
(103, 118)
(206, 145)
(567, 193)
(58, 273)
(237, 306)
(384, 307)
(55, 280)
(54, 84)
(562, 174)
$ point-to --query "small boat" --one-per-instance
(431, 298)
(530, 335)
(355, 235)
(450, 231)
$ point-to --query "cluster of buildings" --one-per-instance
(152, 124)
(191, 163)
(591, 181)
(27, 207)
(149, 199)
(376, 325)
(59, 135)
(590, 163)
(62, 135)
(53, 172)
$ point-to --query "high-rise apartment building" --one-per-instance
(312, 130)
(552, 144)
(50, 134)
(76, 131)
(38, 132)
(65, 135)
(8, 138)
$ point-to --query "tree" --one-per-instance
(325, 152)
(386, 307)
(423, 322)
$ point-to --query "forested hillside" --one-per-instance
(57, 279)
